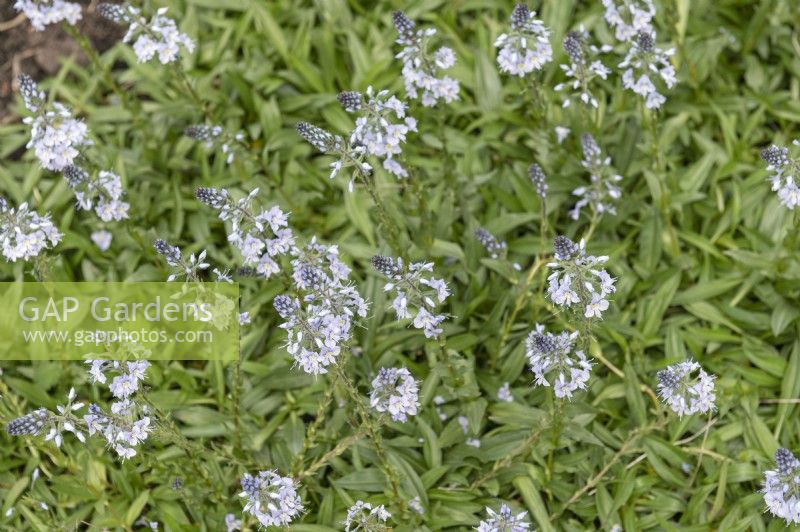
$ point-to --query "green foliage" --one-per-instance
(707, 262)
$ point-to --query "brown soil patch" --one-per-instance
(40, 53)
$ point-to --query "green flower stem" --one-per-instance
(623, 450)
(131, 105)
(373, 431)
(311, 433)
(519, 303)
(526, 446)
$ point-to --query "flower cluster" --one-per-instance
(261, 235)
(44, 12)
(782, 487)
(381, 127)
(494, 246)
(643, 60)
(421, 69)
(24, 233)
(322, 322)
(537, 177)
(395, 391)
(123, 428)
(551, 356)
(640, 14)
(684, 393)
(526, 47)
(600, 194)
(363, 517)
(347, 156)
(583, 68)
(56, 135)
(271, 498)
(504, 521)
(577, 280)
(159, 35)
(104, 193)
(414, 291)
(215, 136)
(190, 268)
(34, 423)
(785, 174)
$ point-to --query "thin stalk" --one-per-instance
(519, 303)
(624, 449)
(557, 426)
(124, 98)
(504, 462)
(374, 434)
(341, 447)
(311, 433)
(383, 215)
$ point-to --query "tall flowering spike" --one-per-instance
(422, 67)
(394, 391)
(363, 517)
(351, 101)
(782, 487)
(55, 423)
(644, 60)
(417, 295)
(565, 248)
(215, 137)
(776, 156)
(56, 136)
(685, 393)
(348, 155)
(127, 425)
(630, 18)
(24, 233)
(404, 25)
(32, 96)
(321, 322)
(216, 198)
(537, 177)
(319, 138)
(381, 127)
(520, 16)
(573, 45)
(494, 246)
(105, 193)
(158, 36)
(526, 47)
(29, 424)
(385, 265)
(785, 174)
(271, 498)
(202, 132)
(261, 235)
(42, 13)
(191, 267)
(172, 254)
(113, 12)
(577, 282)
(584, 67)
(602, 191)
(555, 362)
(504, 520)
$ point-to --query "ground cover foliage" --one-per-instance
(703, 252)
